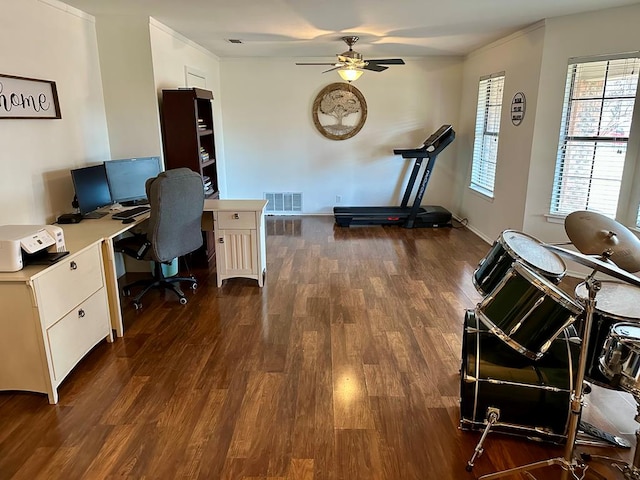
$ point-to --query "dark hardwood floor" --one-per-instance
(345, 366)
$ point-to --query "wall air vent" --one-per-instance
(284, 202)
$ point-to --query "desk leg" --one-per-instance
(113, 294)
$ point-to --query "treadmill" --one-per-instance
(405, 215)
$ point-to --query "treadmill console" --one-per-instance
(431, 143)
(431, 146)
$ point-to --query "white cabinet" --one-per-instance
(51, 317)
(240, 238)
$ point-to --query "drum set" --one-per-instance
(528, 347)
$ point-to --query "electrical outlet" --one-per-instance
(338, 198)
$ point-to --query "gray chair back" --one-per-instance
(176, 198)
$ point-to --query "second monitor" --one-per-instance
(127, 178)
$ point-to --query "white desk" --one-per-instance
(240, 238)
(243, 238)
(103, 230)
(51, 316)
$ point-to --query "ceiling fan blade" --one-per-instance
(388, 61)
(333, 63)
(375, 67)
(332, 69)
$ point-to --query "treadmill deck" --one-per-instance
(427, 216)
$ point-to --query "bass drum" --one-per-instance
(533, 396)
(615, 303)
(509, 247)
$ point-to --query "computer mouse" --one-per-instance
(129, 220)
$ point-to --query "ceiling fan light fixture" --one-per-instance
(349, 74)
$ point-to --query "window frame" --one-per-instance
(624, 208)
(484, 161)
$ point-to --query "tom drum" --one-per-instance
(620, 359)
(615, 303)
(509, 247)
(526, 311)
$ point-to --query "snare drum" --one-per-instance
(534, 397)
(615, 303)
(620, 359)
(509, 247)
(526, 311)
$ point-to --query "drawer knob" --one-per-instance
(81, 313)
(221, 240)
(73, 266)
(236, 216)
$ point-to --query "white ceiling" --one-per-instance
(312, 28)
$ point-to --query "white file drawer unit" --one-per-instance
(240, 239)
(50, 317)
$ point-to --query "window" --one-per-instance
(596, 121)
(485, 145)
(638, 219)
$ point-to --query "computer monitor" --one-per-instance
(127, 178)
(92, 188)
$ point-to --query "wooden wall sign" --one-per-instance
(339, 111)
(518, 107)
(22, 97)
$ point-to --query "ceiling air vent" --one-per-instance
(234, 40)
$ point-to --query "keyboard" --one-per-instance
(130, 213)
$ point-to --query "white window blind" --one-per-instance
(485, 145)
(596, 121)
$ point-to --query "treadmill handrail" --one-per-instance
(412, 153)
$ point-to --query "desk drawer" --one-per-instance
(77, 333)
(68, 283)
(236, 220)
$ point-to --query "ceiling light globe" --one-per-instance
(349, 74)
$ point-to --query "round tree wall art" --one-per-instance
(339, 111)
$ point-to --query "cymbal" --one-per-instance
(594, 263)
(594, 234)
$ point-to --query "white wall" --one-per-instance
(519, 56)
(51, 41)
(128, 80)
(171, 55)
(272, 145)
(605, 32)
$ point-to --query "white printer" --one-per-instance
(18, 242)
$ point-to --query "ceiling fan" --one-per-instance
(350, 64)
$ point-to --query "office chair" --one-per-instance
(176, 198)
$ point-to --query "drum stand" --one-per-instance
(493, 414)
(629, 471)
(569, 463)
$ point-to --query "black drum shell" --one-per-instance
(533, 396)
(620, 359)
(513, 246)
(526, 311)
(615, 303)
